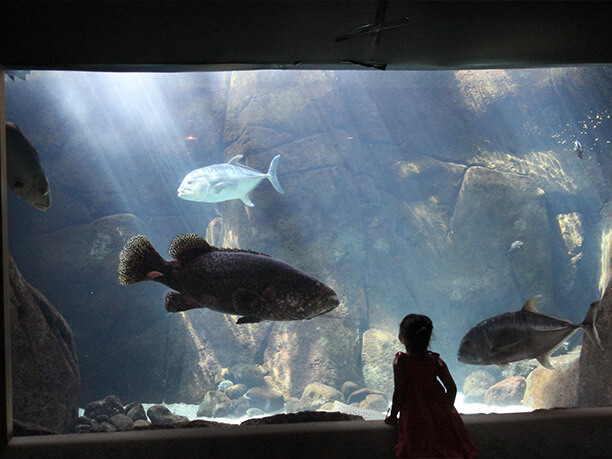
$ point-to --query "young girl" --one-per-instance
(429, 425)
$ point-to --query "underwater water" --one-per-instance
(455, 194)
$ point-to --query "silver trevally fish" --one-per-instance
(525, 334)
(222, 182)
(25, 174)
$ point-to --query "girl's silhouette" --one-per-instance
(428, 424)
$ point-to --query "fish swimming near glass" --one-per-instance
(525, 334)
(25, 174)
(515, 246)
(223, 182)
(578, 149)
(252, 285)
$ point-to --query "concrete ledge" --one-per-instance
(562, 433)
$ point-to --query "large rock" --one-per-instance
(215, 404)
(507, 392)
(595, 384)
(555, 388)
(320, 350)
(476, 385)
(316, 395)
(169, 362)
(505, 207)
(378, 349)
(46, 379)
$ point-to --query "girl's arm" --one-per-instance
(399, 392)
(448, 381)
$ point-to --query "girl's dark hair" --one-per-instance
(416, 330)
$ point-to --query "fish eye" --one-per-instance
(18, 184)
(467, 343)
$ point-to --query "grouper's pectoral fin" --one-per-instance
(248, 304)
(175, 302)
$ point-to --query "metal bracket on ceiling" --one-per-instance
(375, 28)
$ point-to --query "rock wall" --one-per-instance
(46, 379)
(404, 192)
(595, 383)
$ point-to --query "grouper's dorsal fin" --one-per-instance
(529, 306)
(235, 160)
(187, 246)
(226, 249)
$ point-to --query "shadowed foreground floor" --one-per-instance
(567, 433)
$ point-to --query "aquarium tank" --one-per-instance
(460, 195)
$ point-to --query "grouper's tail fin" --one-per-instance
(137, 259)
(589, 325)
(272, 175)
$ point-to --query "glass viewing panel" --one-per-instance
(455, 194)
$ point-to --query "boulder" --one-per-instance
(236, 391)
(249, 374)
(375, 402)
(122, 422)
(215, 404)
(507, 392)
(159, 414)
(316, 394)
(136, 411)
(595, 383)
(107, 407)
(46, 378)
(267, 399)
(348, 388)
(241, 405)
(360, 395)
(475, 386)
(557, 388)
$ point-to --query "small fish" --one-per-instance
(515, 246)
(525, 334)
(578, 148)
(25, 174)
(223, 182)
(253, 285)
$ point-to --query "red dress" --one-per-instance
(429, 426)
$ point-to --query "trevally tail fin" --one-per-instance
(137, 260)
(272, 175)
(589, 324)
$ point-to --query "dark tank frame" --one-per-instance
(169, 36)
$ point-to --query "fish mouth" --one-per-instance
(329, 304)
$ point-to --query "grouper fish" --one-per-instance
(223, 182)
(525, 334)
(25, 174)
(252, 285)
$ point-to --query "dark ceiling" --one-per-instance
(181, 35)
